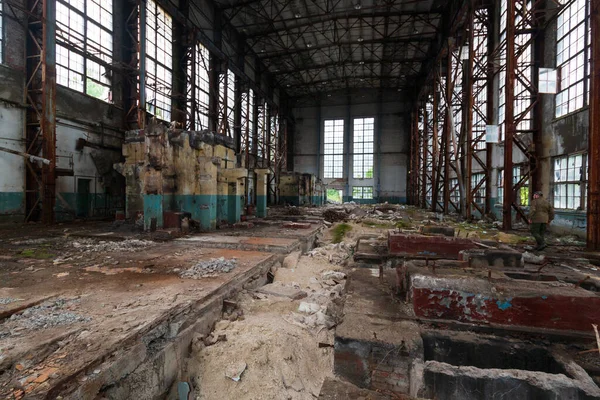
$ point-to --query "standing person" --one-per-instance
(541, 213)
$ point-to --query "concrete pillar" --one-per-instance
(204, 203)
(231, 191)
(236, 192)
(262, 178)
(222, 201)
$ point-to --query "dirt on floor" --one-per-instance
(281, 352)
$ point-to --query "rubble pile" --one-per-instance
(49, 314)
(93, 246)
(212, 267)
(292, 210)
(338, 253)
(333, 215)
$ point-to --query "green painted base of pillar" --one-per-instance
(203, 208)
(235, 209)
(222, 208)
(261, 206)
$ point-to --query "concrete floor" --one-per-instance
(96, 309)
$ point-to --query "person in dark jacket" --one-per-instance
(541, 213)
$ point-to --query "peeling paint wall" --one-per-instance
(178, 171)
(12, 180)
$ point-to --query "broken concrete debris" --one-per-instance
(48, 314)
(95, 246)
(212, 267)
(235, 370)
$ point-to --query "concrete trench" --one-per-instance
(151, 367)
(451, 358)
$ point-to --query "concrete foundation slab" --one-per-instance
(551, 305)
(125, 319)
(421, 246)
(374, 348)
(496, 258)
(269, 244)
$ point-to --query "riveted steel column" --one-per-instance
(593, 204)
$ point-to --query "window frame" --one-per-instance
(200, 86)
(361, 154)
(567, 182)
(161, 62)
(359, 192)
(569, 91)
(74, 58)
(334, 169)
(479, 195)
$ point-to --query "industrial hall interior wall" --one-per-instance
(115, 97)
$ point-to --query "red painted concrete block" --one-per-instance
(478, 301)
(405, 244)
(296, 225)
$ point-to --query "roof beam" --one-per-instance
(360, 78)
(405, 39)
(346, 63)
(322, 18)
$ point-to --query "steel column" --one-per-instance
(424, 152)
(40, 96)
(593, 203)
(435, 144)
(523, 19)
(48, 121)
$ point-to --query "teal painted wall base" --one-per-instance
(222, 208)
(153, 208)
(91, 205)
(12, 203)
(261, 206)
(203, 208)
(293, 200)
(390, 200)
(235, 209)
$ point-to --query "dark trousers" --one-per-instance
(537, 230)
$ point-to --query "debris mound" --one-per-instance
(93, 246)
(49, 314)
(331, 215)
(293, 211)
(212, 267)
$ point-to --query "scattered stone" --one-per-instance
(49, 314)
(531, 258)
(308, 308)
(7, 300)
(235, 370)
(94, 246)
(222, 325)
(212, 267)
(282, 291)
(333, 275)
(291, 261)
